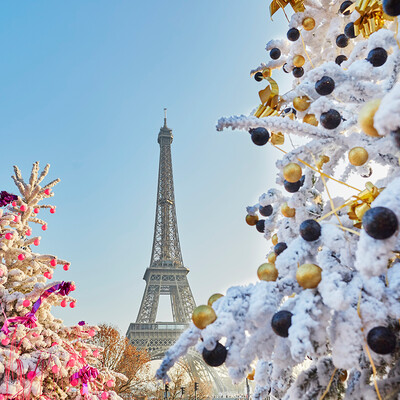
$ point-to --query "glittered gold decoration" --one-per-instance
(251, 219)
(214, 298)
(267, 272)
(275, 239)
(308, 276)
(277, 138)
(362, 203)
(310, 119)
(203, 316)
(308, 23)
(287, 211)
(366, 117)
(298, 61)
(372, 18)
(358, 156)
(322, 160)
(292, 172)
(297, 5)
(301, 103)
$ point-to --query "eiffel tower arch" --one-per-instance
(167, 275)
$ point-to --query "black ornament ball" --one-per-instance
(391, 7)
(258, 76)
(298, 72)
(396, 137)
(342, 40)
(330, 119)
(381, 340)
(325, 86)
(260, 225)
(216, 357)
(310, 230)
(343, 7)
(293, 34)
(284, 66)
(266, 211)
(293, 187)
(275, 53)
(280, 248)
(339, 59)
(377, 56)
(281, 322)
(259, 136)
(349, 30)
(380, 222)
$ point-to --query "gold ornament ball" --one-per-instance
(292, 172)
(366, 117)
(287, 211)
(298, 61)
(342, 375)
(271, 258)
(308, 276)
(308, 23)
(358, 156)
(214, 298)
(267, 272)
(203, 316)
(310, 119)
(301, 103)
(275, 239)
(251, 219)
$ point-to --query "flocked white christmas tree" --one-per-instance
(40, 358)
(323, 322)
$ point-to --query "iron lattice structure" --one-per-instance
(167, 275)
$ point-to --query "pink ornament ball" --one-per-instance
(14, 204)
(71, 363)
(36, 242)
(52, 210)
(110, 383)
(92, 332)
(23, 208)
(28, 232)
(55, 369)
(26, 303)
(47, 275)
(47, 191)
(31, 375)
(84, 353)
(5, 341)
(53, 262)
(64, 303)
(72, 304)
(66, 267)
(72, 287)
(8, 236)
(21, 257)
(104, 396)
(96, 353)
(74, 382)
(1, 272)
(44, 227)
(2, 397)
(36, 210)
(16, 218)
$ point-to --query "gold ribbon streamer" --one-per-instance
(329, 385)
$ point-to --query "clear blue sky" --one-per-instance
(83, 87)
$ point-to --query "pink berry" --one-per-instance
(26, 303)
(36, 210)
(44, 227)
(1, 272)
(66, 267)
(92, 332)
(35, 334)
(14, 204)
(104, 395)
(5, 341)
(74, 382)
(28, 232)
(31, 375)
(16, 218)
(84, 353)
(96, 353)
(52, 210)
(47, 274)
(72, 304)
(23, 208)
(110, 383)
(9, 236)
(36, 242)
(55, 369)
(64, 303)
(72, 287)
(2, 397)
(53, 262)
(47, 191)
(21, 257)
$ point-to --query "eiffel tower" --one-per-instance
(167, 275)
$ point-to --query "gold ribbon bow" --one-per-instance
(297, 5)
(269, 100)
